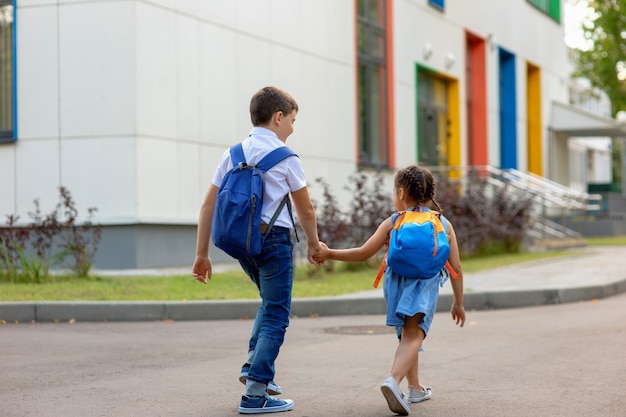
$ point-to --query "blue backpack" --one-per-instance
(237, 217)
(418, 244)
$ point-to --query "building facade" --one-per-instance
(130, 103)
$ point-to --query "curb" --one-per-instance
(95, 311)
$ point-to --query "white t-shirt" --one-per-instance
(283, 178)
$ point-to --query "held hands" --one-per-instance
(322, 254)
(202, 269)
(317, 255)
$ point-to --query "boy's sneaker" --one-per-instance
(265, 404)
(417, 395)
(395, 397)
(272, 387)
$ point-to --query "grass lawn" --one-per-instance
(235, 284)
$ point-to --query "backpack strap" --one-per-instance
(236, 154)
(382, 268)
(447, 266)
(271, 159)
(274, 157)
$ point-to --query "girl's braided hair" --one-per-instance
(419, 184)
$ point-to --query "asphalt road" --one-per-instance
(552, 360)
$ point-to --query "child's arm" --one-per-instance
(202, 268)
(364, 252)
(307, 218)
(457, 310)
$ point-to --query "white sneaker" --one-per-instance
(395, 397)
(417, 395)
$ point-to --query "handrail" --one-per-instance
(545, 192)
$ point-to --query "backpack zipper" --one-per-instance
(253, 203)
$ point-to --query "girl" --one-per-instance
(411, 302)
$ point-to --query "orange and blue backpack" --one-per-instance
(418, 245)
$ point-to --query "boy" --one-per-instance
(273, 113)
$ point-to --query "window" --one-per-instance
(439, 4)
(373, 117)
(7, 71)
(551, 7)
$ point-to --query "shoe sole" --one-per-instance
(286, 407)
(395, 402)
(271, 388)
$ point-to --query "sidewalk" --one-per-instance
(597, 273)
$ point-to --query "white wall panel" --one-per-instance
(339, 118)
(187, 198)
(187, 101)
(256, 17)
(36, 175)
(217, 86)
(340, 22)
(221, 12)
(313, 37)
(406, 136)
(97, 79)
(7, 180)
(101, 173)
(157, 179)
(37, 64)
(28, 3)
(156, 71)
(208, 158)
(252, 71)
(287, 70)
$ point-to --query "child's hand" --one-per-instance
(458, 314)
(202, 269)
(322, 253)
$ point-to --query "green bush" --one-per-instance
(57, 238)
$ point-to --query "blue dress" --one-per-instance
(407, 297)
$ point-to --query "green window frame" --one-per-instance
(8, 98)
(373, 115)
(550, 7)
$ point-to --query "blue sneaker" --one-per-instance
(272, 387)
(265, 404)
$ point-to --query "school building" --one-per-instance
(130, 103)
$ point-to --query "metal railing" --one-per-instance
(550, 198)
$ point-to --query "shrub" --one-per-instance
(28, 252)
(486, 220)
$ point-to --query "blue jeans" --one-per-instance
(272, 273)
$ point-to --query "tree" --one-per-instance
(604, 64)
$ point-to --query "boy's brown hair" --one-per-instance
(267, 101)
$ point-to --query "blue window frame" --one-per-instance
(439, 4)
(508, 110)
(8, 117)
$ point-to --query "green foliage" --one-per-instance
(486, 223)
(27, 252)
(606, 60)
(604, 64)
(229, 285)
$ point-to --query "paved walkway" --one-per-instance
(591, 273)
(558, 360)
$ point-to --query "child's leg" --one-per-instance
(413, 375)
(408, 349)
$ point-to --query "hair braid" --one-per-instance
(418, 183)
